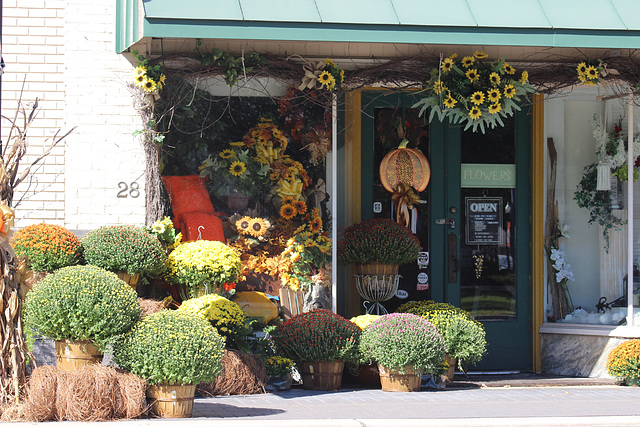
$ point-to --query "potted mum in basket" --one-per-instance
(464, 336)
(83, 308)
(48, 247)
(624, 362)
(378, 242)
(174, 351)
(203, 267)
(405, 346)
(319, 342)
(128, 251)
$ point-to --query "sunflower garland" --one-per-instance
(589, 71)
(474, 91)
(148, 78)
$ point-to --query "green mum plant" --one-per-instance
(624, 361)
(403, 340)
(202, 264)
(464, 336)
(378, 240)
(474, 91)
(226, 316)
(81, 302)
(317, 336)
(47, 246)
(124, 248)
(171, 347)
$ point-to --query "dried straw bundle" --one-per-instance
(150, 306)
(92, 393)
(242, 373)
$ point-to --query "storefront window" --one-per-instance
(587, 251)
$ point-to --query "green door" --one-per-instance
(472, 220)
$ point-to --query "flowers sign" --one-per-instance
(474, 91)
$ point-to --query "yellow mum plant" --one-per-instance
(224, 315)
(624, 361)
(202, 266)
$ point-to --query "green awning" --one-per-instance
(545, 23)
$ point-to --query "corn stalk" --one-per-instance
(14, 354)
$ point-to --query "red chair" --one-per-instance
(193, 211)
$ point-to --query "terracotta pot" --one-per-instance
(394, 380)
(322, 375)
(237, 202)
(171, 401)
(72, 355)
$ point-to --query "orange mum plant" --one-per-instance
(48, 247)
(624, 361)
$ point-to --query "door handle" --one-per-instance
(452, 262)
(450, 221)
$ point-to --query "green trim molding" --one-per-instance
(544, 23)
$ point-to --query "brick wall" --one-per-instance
(64, 51)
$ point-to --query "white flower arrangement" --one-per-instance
(560, 266)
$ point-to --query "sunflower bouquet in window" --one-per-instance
(307, 258)
(331, 77)
(474, 91)
(236, 169)
(290, 178)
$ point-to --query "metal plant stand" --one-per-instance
(375, 289)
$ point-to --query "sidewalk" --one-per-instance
(590, 405)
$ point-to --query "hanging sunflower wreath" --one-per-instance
(474, 91)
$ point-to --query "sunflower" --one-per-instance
(287, 211)
(524, 77)
(475, 112)
(438, 87)
(472, 75)
(327, 80)
(139, 71)
(242, 225)
(227, 153)
(447, 64)
(161, 80)
(494, 78)
(315, 225)
(328, 61)
(149, 86)
(237, 144)
(257, 227)
(509, 91)
(477, 97)
(495, 108)
(288, 200)
(140, 80)
(301, 206)
(592, 72)
(493, 95)
(450, 102)
(237, 168)
(480, 54)
(582, 68)
(508, 69)
(468, 61)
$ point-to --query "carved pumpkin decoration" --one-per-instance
(405, 166)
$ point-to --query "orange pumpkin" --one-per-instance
(407, 166)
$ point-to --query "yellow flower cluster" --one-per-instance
(277, 366)
(624, 360)
(364, 320)
(203, 262)
(588, 73)
(226, 316)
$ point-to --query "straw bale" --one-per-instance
(242, 373)
(91, 393)
(150, 306)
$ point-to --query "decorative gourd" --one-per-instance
(405, 166)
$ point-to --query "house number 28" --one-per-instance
(128, 190)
